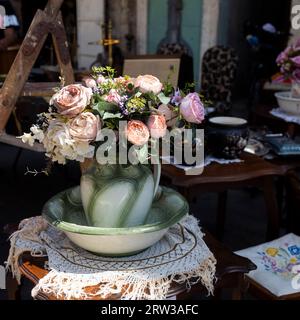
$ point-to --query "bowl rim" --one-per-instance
(98, 231)
(240, 122)
(283, 96)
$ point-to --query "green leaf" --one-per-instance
(108, 115)
(105, 106)
(163, 99)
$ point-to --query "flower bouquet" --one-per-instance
(121, 123)
(137, 111)
(289, 63)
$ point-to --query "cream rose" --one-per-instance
(72, 99)
(148, 83)
(157, 126)
(84, 127)
(137, 132)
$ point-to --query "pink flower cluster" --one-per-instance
(289, 61)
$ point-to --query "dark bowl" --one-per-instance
(226, 137)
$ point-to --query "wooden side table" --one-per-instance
(230, 272)
(261, 116)
(253, 171)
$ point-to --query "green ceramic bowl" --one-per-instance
(65, 212)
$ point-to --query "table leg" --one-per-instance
(13, 288)
(237, 290)
(221, 214)
(272, 208)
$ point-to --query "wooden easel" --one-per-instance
(44, 22)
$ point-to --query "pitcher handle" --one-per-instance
(156, 176)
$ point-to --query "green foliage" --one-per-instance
(104, 106)
(108, 115)
(163, 99)
(136, 104)
(189, 87)
(105, 71)
(111, 123)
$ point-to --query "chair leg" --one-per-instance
(237, 291)
(221, 214)
(272, 208)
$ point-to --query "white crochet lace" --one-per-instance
(181, 256)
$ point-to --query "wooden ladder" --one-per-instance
(44, 22)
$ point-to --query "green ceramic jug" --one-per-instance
(117, 196)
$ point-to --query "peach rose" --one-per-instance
(169, 114)
(137, 132)
(89, 82)
(84, 127)
(148, 83)
(192, 108)
(113, 97)
(157, 126)
(72, 99)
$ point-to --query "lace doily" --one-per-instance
(207, 161)
(181, 256)
(285, 116)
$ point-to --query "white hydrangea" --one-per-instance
(58, 142)
(60, 145)
(38, 133)
(27, 138)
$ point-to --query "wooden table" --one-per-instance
(230, 272)
(253, 171)
(261, 116)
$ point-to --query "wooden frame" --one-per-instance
(157, 65)
(45, 21)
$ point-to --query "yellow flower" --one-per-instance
(272, 252)
(293, 260)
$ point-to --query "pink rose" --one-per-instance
(296, 61)
(84, 127)
(148, 83)
(192, 108)
(296, 74)
(137, 132)
(281, 58)
(89, 82)
(284, 55)
(100, 79)
(157, 126)
(297, 43)
(72, 99)
(113, 97)
(169, 114)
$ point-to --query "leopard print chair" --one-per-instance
(219, 67)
